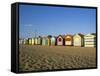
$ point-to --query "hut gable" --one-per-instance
(90, 35)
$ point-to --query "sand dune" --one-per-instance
(37, 58)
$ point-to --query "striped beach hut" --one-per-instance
(90, 40)
(60, 40)
(78, 40)
(39, 40)
(53, 40)
(68, 40)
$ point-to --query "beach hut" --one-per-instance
(39, 40)
(60, 40)
(20, 41)
(46, 41)
(78, 40)
(25, 41)
(35, 41)
(90, 40)
(49, 39)
(31, 41)
(68, 40)
(53, 40)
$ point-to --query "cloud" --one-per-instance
(28, 25)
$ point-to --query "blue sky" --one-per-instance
(47, 20)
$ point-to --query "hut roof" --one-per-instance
(69, 35)
(63, 36)
(81, 35)
(93, 33)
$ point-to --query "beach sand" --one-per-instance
(41, 58)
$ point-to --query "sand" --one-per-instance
(41, 58)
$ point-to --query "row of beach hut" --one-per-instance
(88, 40)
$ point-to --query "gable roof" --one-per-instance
(63, 36)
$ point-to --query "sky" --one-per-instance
(47, 20)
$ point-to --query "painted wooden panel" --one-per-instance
(90, 40)
(90, 45)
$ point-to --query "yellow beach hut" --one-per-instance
(78, 40)
(68, 40)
